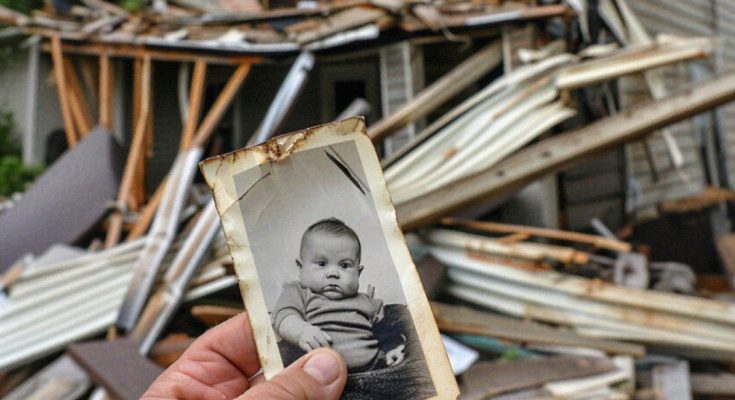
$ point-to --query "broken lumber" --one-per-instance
(487, 226)
(167, 217)
(134, 156)
(558, 152)
(486, 245)
(456, 80)
(487, 379)
(60, 78)
(457, 319)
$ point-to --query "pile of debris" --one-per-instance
(528, 312)
(246, 27)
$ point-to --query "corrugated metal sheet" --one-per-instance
(647, 188)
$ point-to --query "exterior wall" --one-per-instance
(15, 78)
(654, 180)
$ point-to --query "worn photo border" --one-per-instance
(219, 172)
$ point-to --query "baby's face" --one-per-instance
(330, 265)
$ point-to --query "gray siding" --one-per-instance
(650, 183)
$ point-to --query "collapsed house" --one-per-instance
(520, 92)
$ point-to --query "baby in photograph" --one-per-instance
(324, 307)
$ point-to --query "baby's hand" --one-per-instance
(313, 338)
(395, 356)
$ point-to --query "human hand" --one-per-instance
(223, 364)
(395, 356)
(312, 338)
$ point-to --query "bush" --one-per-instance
(14, 176)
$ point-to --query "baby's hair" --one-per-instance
(333, 226)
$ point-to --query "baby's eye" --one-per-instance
(345, 265)
(321, 263)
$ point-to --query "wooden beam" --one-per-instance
(106, 91)
(59, 76)
(113, 232)
(220, 106)
(115, 50)
(198, 79)
(456, 80)
(566, 149)
(77, 102)
(456, 319)
(149, 210)
(494, 227)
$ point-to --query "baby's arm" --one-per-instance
(289, 322)
(297, 331)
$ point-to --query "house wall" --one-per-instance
(16, 76)
(647, 188)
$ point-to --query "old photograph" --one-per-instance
(323, 263)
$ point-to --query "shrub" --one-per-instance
(14, 176)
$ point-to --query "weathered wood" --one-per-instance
(77, 101)
(633, 60)
(456, 80)
(486, 379)
(220, 106)
(106, 88)
(161, 307)
(486, 245)
(429, 15)
(487, 226)
(558, 152)
(340, 22)
(118, 50)
(59, 76)
(701, 314)
(113, 232)
(722, 384)
(195, 103)
(464, 320)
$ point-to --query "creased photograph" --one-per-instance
(322, 262)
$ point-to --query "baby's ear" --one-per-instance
(298, 263)
(359, 269)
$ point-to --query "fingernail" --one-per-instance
(323, 367)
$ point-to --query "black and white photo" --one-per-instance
(322, 262)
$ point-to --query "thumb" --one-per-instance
(319, 375)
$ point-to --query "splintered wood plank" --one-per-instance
(59, 76)
(446, 87)
(485, 379)
(113, 233)
(196, 91)
(487, 226)
(563, 150)
(340, 22)
(220, 106)
(106, 91)
(464, 320)
(77, 102)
